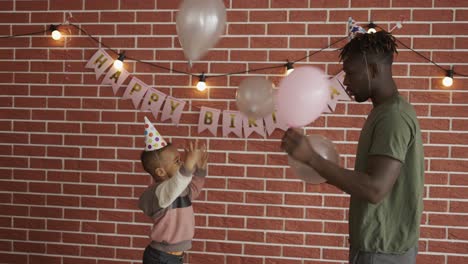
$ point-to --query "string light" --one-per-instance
(201, 85)
(56, 35)
(118, 63)
(289, 68)
(448, 80)
(371, 27)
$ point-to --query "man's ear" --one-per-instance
(373, 69)
(160, 172)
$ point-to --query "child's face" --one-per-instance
(170, 162)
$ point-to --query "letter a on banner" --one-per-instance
(209, 119)
(135, 90)
(115, 78)
(337, 91)
(232, 122)
(100, 61)
(172, 109)
(153, 101)
(253, 125)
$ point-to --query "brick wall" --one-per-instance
(70, 175)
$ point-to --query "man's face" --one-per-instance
(170, 161)
(356, 79)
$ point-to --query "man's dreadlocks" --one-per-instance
(382, 45)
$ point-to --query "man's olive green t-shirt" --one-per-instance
(391, 226)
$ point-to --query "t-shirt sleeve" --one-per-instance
(392, 136)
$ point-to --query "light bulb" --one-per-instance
(118, 64)
(447, 81)
(289, 68)
(201, 86)
(56, 35)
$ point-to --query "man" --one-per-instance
(386, 186)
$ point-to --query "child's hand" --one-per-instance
(192, 155)
(203, 161)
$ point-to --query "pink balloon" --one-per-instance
(325, 148)
(302, 96)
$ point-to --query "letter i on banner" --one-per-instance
(153, 101)
(209, 119)
(135, 90)
(172, 109)
(232, 122)
(253, 125)
(115, 78)
(100, 61)
(272, 122)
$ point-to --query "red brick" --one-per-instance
(96, 227)
(250, 4)
(97, 5)
(60, 249)
(100, 252)
(79, 238)
(97, 202)
(65, 5)
(449, 3)
(449, 28)
(262, 250)
(117, 241)
(59, 200)
(205, 258)
(44, 259)
(249, 236)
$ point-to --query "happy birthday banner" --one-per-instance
(147, 98)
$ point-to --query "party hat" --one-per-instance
(153, 140)
(354, 28)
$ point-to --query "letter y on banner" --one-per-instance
(100, 61)
(209, 119)
(172, 109)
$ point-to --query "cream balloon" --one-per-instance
(254, 97)
(200, 23)
(325, 148)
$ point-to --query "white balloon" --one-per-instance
(200, 23)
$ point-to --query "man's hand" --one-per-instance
(297, 146)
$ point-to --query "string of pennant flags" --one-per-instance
(150, 99)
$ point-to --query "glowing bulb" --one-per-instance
(371, 30)
(56, 35)
(118, 64)
(289, 68)
(201, 86)
(447, 81)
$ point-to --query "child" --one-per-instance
(168, 200)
